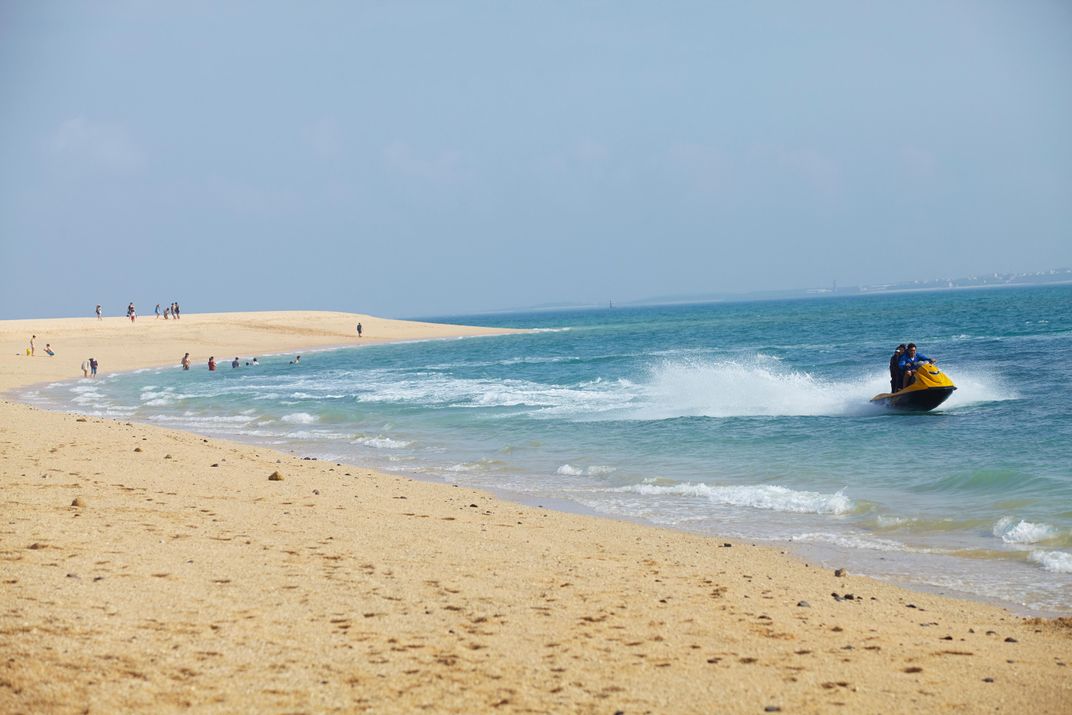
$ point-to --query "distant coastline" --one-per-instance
(1056, 277)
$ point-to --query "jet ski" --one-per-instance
(930, 388)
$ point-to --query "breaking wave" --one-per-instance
(763, 496)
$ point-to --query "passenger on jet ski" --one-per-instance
(909, 362)
(896, 378)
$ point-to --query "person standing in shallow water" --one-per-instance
(212, 364)
(185, 362)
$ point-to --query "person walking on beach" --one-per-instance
(212, 364)
(185, 362)
(33, 349)
(167, 312)
(85, 368)
(99, 312)
(93, 367)
(131, 312)
(157, 311)
(359, 330)
(175, 311)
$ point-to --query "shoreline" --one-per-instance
(435, 595)
(814, 553)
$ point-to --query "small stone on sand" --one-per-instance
(1010, 639)
(839, 572)
(137, 449)
(80, 419)
(803, 604)
(275, 477)
(78, 501)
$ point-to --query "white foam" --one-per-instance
(1024, 532)
(852, 541)
(753, 387)
(762, 496)
(381, 442)
(1053, 561)
(300, 418)
(976, 386)
(193, 419)
(484, 464)
(596, 470)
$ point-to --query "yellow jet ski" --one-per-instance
(930, 388)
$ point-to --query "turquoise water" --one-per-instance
(739, 419)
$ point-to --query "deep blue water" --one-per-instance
(745, 419)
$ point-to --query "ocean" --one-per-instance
(747, 420)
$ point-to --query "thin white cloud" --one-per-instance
(324, 138)
(918, 163)
(444, 167)
(83, 143)
(706, 168)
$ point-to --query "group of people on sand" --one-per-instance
(185, 362)
(903, 365)
(32, 350)
(89, 365)
(172, 311)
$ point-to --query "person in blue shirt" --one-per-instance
(909, 362)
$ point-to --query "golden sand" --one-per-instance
(145, 569)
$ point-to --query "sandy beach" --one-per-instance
(146, 569)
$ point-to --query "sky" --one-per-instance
(433, 158)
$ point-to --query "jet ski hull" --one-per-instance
(930, 387)
(916, 400)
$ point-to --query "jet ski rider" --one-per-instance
(896, 379)
(909, 363)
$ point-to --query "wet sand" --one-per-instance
(153, 570)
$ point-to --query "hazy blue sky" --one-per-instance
(409, 158)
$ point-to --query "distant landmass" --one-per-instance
(1057, 275)
(1054, 276)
